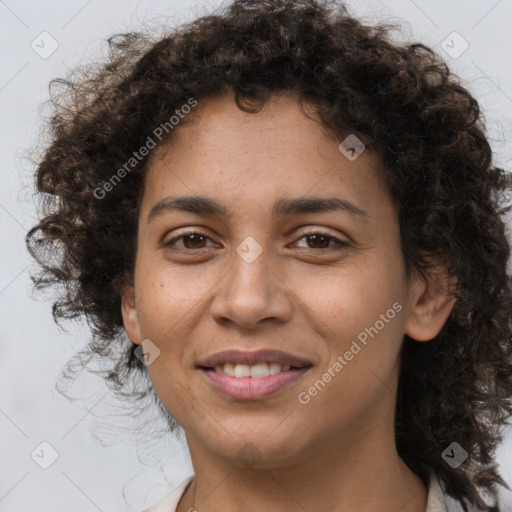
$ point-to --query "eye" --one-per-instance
(197, 240)
(190, 241)
(321, 240)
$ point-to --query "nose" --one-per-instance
(252, 292)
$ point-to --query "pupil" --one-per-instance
(316, 239)
(195, 239)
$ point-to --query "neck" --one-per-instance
(360, 473)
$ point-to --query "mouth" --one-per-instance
(246, 375)
(256, 371)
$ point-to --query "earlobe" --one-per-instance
(431, 302)
(130, 318)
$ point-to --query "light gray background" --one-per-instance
(129, 472)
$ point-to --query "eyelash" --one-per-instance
(340, 244)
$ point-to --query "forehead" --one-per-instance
(248, 157)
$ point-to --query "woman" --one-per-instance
(298, 225)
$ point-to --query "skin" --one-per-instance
(297, 296)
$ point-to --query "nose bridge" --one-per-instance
(251, 291)
(251, 278)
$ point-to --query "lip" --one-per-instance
(253, 388)
(252, 358)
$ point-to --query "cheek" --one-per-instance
(359, 311)
(362, 325)
(349, 297)
(168, 299)
(166, 310)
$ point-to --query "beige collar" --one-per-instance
(435, 498)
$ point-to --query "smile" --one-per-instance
(256, 371)
(262, 384)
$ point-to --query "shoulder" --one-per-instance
(169, 502)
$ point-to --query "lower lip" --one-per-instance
(253, 388)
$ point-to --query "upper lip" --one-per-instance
(252, 358)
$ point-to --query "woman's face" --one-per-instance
(259, 265)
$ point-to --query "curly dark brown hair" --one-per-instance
(400, 99)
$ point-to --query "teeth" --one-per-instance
(257, 370)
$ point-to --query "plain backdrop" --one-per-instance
(94, 462)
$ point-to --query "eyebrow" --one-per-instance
(283, 207)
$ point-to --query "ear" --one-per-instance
(431, 301)
(130, 318)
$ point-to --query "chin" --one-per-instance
(261, 448)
